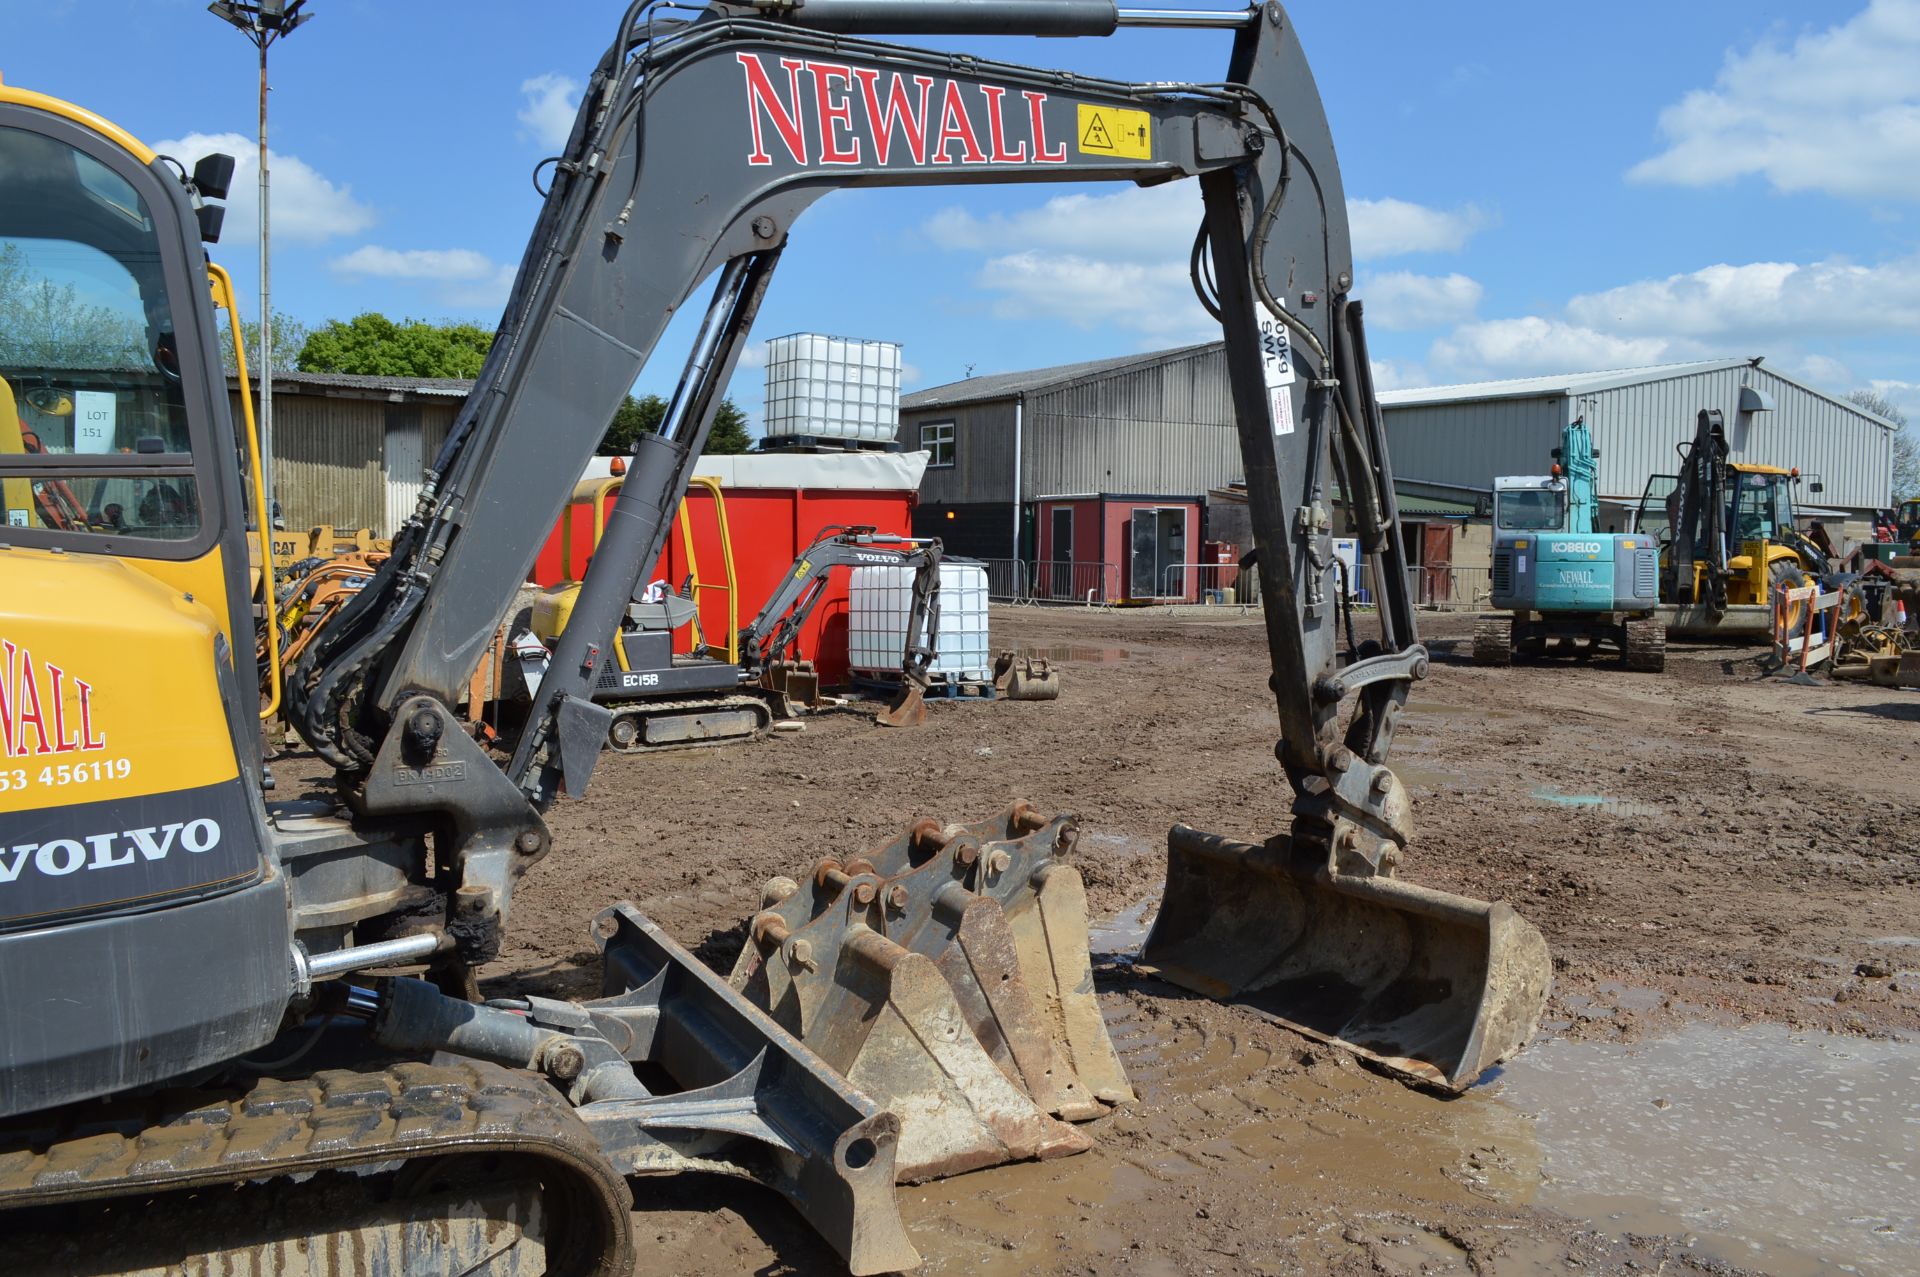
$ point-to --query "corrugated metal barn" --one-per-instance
(1139, 425)
(1129, 442)
(1467, 434)
(349, 450)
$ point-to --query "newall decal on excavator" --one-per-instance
(206, 1035)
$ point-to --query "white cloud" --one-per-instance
(444, 264)
(1820, 370)
(1153, 299)
(551, 102)
(1904, 394)
(307, 208)
(1392, 228)
(1120, 258)
(460, 276)
(1402, 300)
(1762, 303)
(1395, 374)
(1134, 223)
(1838, 111)
(1090, 259)
(1533, 344)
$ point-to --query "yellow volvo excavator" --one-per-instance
(201, 1024)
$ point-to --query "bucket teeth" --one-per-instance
(948, 974)
(887, 1020)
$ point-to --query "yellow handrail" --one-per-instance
(711, 486)
(223, 298)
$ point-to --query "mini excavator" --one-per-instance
(205, 1016)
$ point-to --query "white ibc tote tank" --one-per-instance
(833, 387)
(880, 600)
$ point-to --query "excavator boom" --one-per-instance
(923, 1009)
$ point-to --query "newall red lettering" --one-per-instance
(909, 118)
(33, 694)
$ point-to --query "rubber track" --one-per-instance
(660, 709)
(334, 1120)
(1646, 646)
(1493, 641)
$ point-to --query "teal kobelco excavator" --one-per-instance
(245, 1033)
(1565, 587)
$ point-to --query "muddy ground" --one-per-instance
(1701, 845)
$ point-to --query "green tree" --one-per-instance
(374, 346)
(729, 437)
(46, 324)
(635, 417)
(289, 338)
(1906, 452)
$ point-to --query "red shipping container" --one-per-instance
(777, 505)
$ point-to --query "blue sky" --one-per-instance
(1537, 188)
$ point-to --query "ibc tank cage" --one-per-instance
(843, 388)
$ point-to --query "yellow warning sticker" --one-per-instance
(1115, 133)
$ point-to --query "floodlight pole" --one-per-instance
(263, 22)
(266, 315)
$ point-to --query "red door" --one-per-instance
(1436, 561)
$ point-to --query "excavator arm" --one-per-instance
(767, 640)
(699, 144)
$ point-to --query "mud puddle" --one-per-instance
(1250, 1151)
(1430, 779)
(1794, 1152)
(1594, 802)
(1120, 937)
(1121, 844)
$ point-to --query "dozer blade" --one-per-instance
(886, 1018)
(1435, 987)
(908, 708)
(1025, 678)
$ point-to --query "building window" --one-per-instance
(937, 438)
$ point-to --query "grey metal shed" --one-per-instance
(1160, 422)
(1467, 434)
(349, 450)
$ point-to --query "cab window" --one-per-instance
(1530, 510)
(1762, 508)
(89, 365)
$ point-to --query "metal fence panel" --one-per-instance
(1086, 582)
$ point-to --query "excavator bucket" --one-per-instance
(927, 973)
(1434, 987)
(1026, 678)
(908, 708)
(797, 681)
